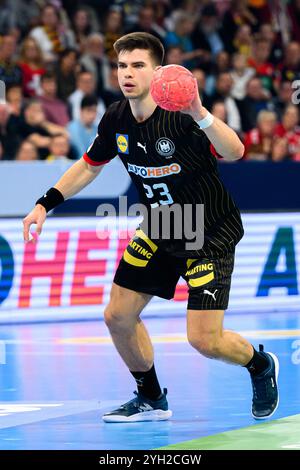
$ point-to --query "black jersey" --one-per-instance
(170, 161)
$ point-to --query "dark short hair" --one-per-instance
(141, 40)
(88, 101)
(49, 75)
(67, 51)
(209, 10)
(30, 102)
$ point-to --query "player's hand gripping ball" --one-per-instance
(173, 87)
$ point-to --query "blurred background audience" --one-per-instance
(60, 69)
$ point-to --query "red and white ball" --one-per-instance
(173, 87)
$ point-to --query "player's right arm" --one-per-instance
(77, 177)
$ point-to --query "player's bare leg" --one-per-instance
(206, 334)
(129, 334)
(122, 316)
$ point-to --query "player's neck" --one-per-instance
(142, 109)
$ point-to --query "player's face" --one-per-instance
(135, 70)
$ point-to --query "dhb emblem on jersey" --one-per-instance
(122, 143)
(165, 147)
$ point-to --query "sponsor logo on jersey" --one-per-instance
(140, 250)
(122, 143)
(199, 275)
(200, 268)
(154, 171)
(165, 147)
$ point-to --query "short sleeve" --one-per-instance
(197, 137)
(102, 150)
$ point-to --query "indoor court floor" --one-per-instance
(56, 380)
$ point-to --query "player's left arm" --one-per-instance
(225, 141)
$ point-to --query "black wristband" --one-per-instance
(51, 199)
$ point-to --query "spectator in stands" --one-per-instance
(66, 72)
(223, 62)
(182, 36)
(162, 10)
(280, 150)
(83, 131)
(294, 17)
(256, 100)
(36, 128)
(18, 16)
(10, 72)
(206, 35)
(112, 92)
(263, 10)
(201, 82)
(192, 8)
(94, 61)
(174, 55)
(7, 22)
(54, 109)
(242, 41)
(220, 65)
(283, 98)
(59, 148)
(240, 74)
(259, 141)
(223, 93)
(15, 99)
(289, 68)
(32, 66)
(84, 22)
(9, 137)
(267, 32)
(196, 40)
(259, 61)
(278, 16)
(238, 14)
(27, 152)
(290, 130)
(85, 85)
(146, 23)
(112, 30)
(51, 36)
(218, 109)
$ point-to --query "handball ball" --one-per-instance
(173, 87)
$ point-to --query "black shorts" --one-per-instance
(145, 268)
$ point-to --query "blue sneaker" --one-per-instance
(265, 390)
(140, 409)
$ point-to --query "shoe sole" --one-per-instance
(276, 362)
(155, 415)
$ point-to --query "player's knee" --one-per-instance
(113, 316)
(207, 345)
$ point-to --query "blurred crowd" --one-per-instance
(58, 64)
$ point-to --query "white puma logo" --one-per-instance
(213, 294)
(142, 146)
